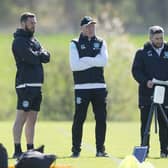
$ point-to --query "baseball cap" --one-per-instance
(87, 20)
(155, 29)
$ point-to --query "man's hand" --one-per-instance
(150, 84)
(44, 56)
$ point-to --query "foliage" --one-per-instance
(122, 89)
(58, 93)
(64, 16)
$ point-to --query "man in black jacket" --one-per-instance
(152, 62)
(29, 56)
(88, 56)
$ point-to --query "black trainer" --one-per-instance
(163, 155)
(16, 155)
(40, 149)
(75, 154)
(101, 154)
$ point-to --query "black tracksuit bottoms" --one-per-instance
(83, 97)
(163, 130)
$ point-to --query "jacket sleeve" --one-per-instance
(44, 56)
(25, 53)
(76, 63)
(100, 60)
(138, 69)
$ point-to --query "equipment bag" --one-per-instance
(3, 157)
(35, 159)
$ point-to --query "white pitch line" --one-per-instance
(89, 147)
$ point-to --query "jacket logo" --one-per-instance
(165, 55)
(149, 53)
(96, 45)
(82, 46)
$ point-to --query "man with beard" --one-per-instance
(29, 56)
(152, 62)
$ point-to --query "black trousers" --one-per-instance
(97, 97)
(163, 130)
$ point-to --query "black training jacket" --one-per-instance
(29, 57)
(148, 65)
(90, 49)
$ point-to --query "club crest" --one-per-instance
(78, 100)
(82, 46)
(149, 53)
(165, 55)
(25, 103)
(96, 45)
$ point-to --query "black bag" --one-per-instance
(35, 159)
(3, 157)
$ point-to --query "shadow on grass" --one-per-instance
(152, 157)
(81, 157)
(149, 157)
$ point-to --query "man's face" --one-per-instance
(89, 30)
(157, 40)
(30, 24)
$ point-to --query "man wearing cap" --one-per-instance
(88, 56)
(152, 62)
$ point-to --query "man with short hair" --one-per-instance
(29, 56)
(152, 62)
(88, 56)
